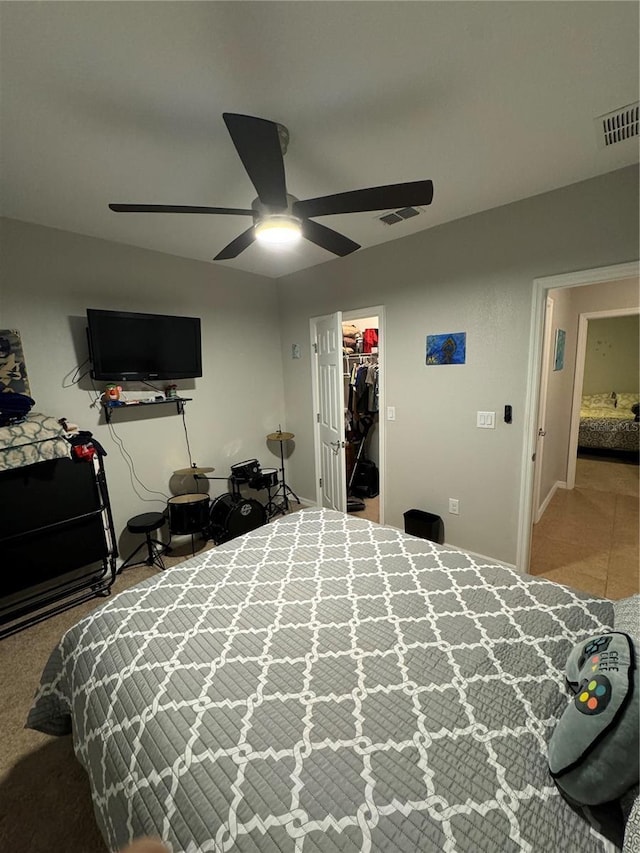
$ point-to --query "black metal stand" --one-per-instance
(155, 550)
(57, 526)
(271, 506)
(283, 491)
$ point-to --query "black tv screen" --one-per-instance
(124, 346)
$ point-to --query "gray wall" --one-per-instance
(473, 275)
(611, 358)
(50, 278)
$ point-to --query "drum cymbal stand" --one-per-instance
(271, 506)
(283, 491)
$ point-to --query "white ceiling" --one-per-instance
(122, 102)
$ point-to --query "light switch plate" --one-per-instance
(295, 350)
(486, 420)
(391, 413)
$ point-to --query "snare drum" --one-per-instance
(267, 479)
(188, 514)
(232, 516)
(242, 472)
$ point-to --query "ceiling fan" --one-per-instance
(279, 217)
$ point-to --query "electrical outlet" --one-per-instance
(391, 413)
(454, 506)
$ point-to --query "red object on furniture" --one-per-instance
(369, 339)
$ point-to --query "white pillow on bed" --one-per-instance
(599, 401)
(625, 401)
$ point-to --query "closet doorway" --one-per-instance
(362, 348)
(348, 402)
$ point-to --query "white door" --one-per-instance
(542, 407)
(332, 485)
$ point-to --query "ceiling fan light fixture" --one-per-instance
(278, 230)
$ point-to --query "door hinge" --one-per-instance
(318, 417)
(320, 481)
(533, 458)
(315, 348)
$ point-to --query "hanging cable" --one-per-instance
(133, 476)
(132, 470)
(186, 435)
(159, 390)
(75, 378)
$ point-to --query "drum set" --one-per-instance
(231, 514)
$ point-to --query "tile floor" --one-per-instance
(588, 536)
(371, 510)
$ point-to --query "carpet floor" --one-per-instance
(45, 801)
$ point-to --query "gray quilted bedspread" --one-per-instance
(325, 684)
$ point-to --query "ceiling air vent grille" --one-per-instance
(396, 216)
(618, 126)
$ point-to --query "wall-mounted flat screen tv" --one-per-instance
(124, 346)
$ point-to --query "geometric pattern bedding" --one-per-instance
(609, 430)
(322, 684)
(36, 439)
(607, 422)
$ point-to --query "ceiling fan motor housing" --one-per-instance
(268, 213)
(264, 211)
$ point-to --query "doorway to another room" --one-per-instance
(585, 515)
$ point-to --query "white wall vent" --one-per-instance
(394, 216)
(617, 126)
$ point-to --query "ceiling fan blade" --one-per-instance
(176, 208)
(373, 198)
(242, 242)
(257, 142)
(328, 238)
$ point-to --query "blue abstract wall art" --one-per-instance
(447, 349)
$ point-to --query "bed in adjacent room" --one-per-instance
(607, 422)
(320, 684)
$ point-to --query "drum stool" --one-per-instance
(146, 523)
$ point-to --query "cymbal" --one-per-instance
(194, 470)
(280, 436)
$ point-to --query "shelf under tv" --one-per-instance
(115, 405)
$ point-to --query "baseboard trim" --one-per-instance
(559, 484)
(492, 561)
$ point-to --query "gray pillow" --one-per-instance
(593, 752)
(626, 617)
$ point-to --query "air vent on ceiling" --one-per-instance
(618, 125)
(399, 215)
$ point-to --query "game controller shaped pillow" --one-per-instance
(593, 752)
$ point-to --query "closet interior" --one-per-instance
(361, 346)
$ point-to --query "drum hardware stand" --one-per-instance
(283, 491)
(271, 506)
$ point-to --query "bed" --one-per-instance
(608, 423)
(324, 683)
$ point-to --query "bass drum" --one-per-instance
(231, 516)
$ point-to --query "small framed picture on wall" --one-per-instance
(558, 355)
